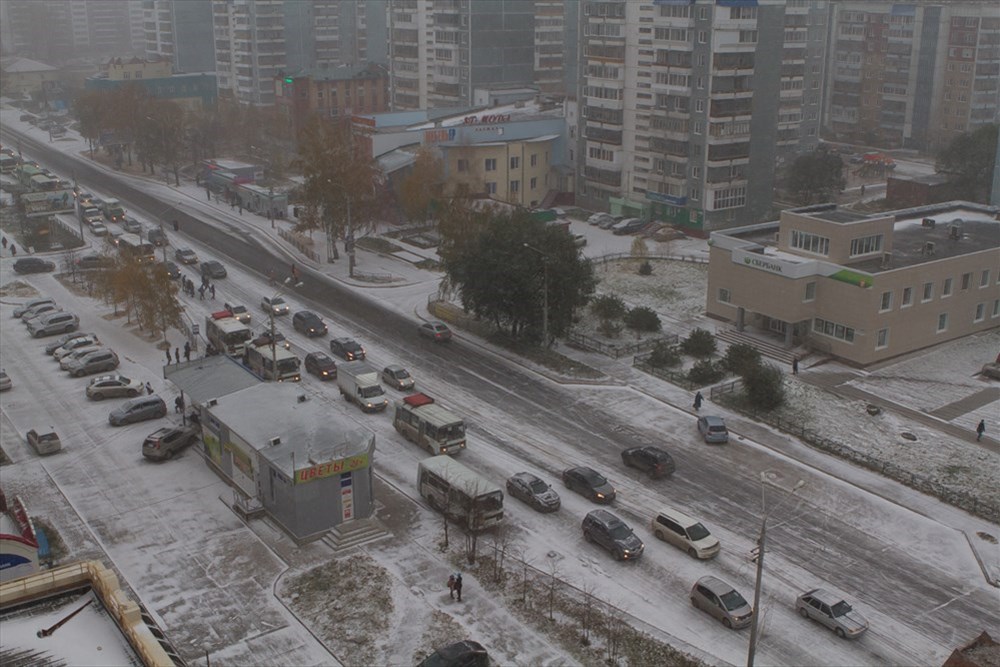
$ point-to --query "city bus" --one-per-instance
(261, 359)
(227, 334)
(459, 493)
(422, 421)
(131, 247)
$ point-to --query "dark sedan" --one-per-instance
(653, 460)
(33, 265)
(590, 483)
(309, 323)
(213, 269)
(321, 365)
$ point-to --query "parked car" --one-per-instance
(33, 265)
(5, 382)
(213, 269)
(38, 311)
(173, 271)
(721, 601)
(832, 611)
(590, 483)
(347, 349)
(630, 226)
(609, 222)
(274, 304)
(131, 225)
(309, 323)
(460, 654)
(74, 344)
(579, 240)
(713, 429)
(113, 386)
(437, 331)
(321, 365)
(98, 229)
(34, 303)
(46, 442)
(157, 237)
(186, 256)
(685, 533)
(94, 261)
(53, 323)
(78, 353)
(597, 218)
(652, 460)
(138, 409)
(51, 348)
(607, 530)
(239, 312)
(398, 377)
(532, 490)
(97, 361)
(164, 442)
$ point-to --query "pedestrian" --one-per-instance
(5, 243)
(795, 365)
(187, 350)
(451, 586)
(241, 207)
(862, 190)
(177, 226)
(209, 194)
(13, 250)
(149, 387)
(179, 404)
(177, 354)
(698, 398)
(168, 354)
(458, 585)
(980, 430)
(212, 287)
(201, 293)
(204, 282)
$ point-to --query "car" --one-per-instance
(608, 223)
(131, 225)
(157, 237)
(33, 265)
(186, 256)
(652, 460)
(832, 611)
(164, 442)
(713, 429)
(213, 269)
(398, 377)
(98, 229)
(321, 365)
(51, 348)
(44, 443)
(309, 323)
(38, 311)
(27, 117)
(240, 313)
(598, 218)
(437, 331)
(34, 303)
(78, 353)
(532, 490)
(73, 344)
(56, 246)
(684, 532)
(347, 349)
(590, 483)
(630, 226)
(460, 654)
(721, 601)
(113, 386)
(607, 530)
(138, 409)
(265, 337)
(53, 323)
(173, 271)
(579, 240)
(94, 261)
(5, 382)
(91, 215)
(96, 362)
(274, 305)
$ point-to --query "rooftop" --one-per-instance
(209, 377)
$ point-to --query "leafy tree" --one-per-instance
(160, 136)
(421, 186)
(643, 318)
(608, 307)
(969, 161)
(741, 357)
(664, 355)
(816, 176)
(502, 280)
(705, 372)
(90, 111)
(763, 386)
(699, 343)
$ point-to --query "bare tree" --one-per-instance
(552, 586)
(615, 629)
(588, 610)
(502, 541)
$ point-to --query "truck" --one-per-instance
(421, 420)
(358, 383)
(113, 210)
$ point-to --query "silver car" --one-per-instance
(832, 611)
(25, 307)
(532, 490)
(720, 600)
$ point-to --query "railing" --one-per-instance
(618, 256)
(301, 244)
(617, 350)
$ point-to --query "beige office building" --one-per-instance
(861, 288)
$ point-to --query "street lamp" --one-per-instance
(545, 293)
(760, 562)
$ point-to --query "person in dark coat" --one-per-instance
(458, 585)
(177, 354)
(451, 586)
(149, 387)
(13, 249)
(5, 242)
(698, 398)
(980, 430)
(179, 404)
(168, 354)
(187, 350)
(212, 288)
(795, 365)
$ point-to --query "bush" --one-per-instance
(763, 386)
(741, 357)
(609, 329)
(608, 307)
(705, 372)
(664, 355)
(645, 269)
(700, 343)
(642, 318)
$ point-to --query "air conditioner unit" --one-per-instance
(212, 402)
(928, 222)
(955, 232)
(274, 441)
(929, 248)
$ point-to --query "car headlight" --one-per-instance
(600, 495)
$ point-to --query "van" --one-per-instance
(685, 532)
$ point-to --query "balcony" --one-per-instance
(605, 176)
(603, 135)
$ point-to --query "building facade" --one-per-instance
(338, 92)
(687, 106)
(191, 91)
(860, 288)
(180, 32)
(912, 75)
(56, 31)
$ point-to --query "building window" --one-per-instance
(907, 297)
(515, 187)
(491, 187)
(810, 291)
(942, 322)
(534, 159)
(984, 279)
(515, 163)
(814, 243)
(702, 36)
(534, 183)
(866, 245)
(463, 165)
(491, 164)
(980, 312)
(946, 289)
(833, 330)
(996, 308)
(882, 339)
(886, 303)
(699, 105)
(729, 198)
(928, 292)
(724, 295)
(966, 280)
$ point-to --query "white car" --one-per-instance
(78, 353)
(274, 304)
(27, 306)
(5, 382)
(99, 229)
(113, 386)
(88, 340)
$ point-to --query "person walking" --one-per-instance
(5, 243)
(458, 585)
(187, 350)
(179, 404)
(177, 354)
(177, 226)
(980, 429)
(13, 250)
(698, 398)
(451, 586)
(212, 288)
(149, 387)
(201, 293)
(795, 365)
(168, 354)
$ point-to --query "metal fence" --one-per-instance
(301, 244)
(617, 350)
(619, 256)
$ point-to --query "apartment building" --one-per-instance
(687, 106)
(249, 48)
(55, 31)
(181, 33)
(337, 92)
(860, 288)
(912, 75)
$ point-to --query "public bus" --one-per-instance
(8, 163)
(262, 359)
(422, 421)
(459, 493)
(227, 334)
(131, 247)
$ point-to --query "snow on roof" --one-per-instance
(396, 159)
(521, 108)
(210, 377)
(27, 65)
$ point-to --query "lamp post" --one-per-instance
(761, 539)
(545, 293)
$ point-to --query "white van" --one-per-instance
(684, 533)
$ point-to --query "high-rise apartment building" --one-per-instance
(686, 108)
(181, 32)
(912, 75)
(55, 31)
